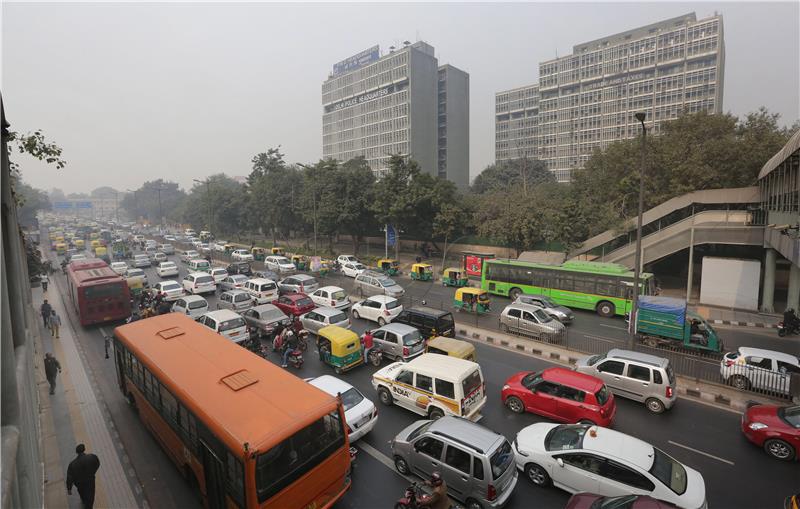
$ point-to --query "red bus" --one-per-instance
(98, 293)
(244, 432)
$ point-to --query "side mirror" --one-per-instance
(560, 462)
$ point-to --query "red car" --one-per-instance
(775, 428)
(294, 303)
(592, 501)
(562, 395)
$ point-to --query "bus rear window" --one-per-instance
(103, 291)
(291, 459)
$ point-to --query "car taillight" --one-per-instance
(333, 303)
(602, 411)
(669, 391)
(386, 312)
(405, 350)
(491, 493)
(728, 363)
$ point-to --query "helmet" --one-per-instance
(436, 479)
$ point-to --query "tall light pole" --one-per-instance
(208, 198)
(160, 212)
(638, 255)
(313, 204)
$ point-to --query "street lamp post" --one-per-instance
(638, 255)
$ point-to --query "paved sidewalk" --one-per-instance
(723, 316)
(75, 414)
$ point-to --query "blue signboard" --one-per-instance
(83, 205)
(391, 235)
(356, 61)
(62, 205)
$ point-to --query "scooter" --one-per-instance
(375, 356)
(410, 499)
(296, 358)
(783, 330)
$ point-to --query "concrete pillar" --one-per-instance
(768, 292)
(793, 295)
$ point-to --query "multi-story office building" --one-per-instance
(516, 121)
(377, 106)
(588, 99)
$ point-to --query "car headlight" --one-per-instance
(506, 387)
(755, 426)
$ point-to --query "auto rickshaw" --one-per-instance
(454, 277)
(102, 253)
(278, 251)
(388, 266)
(94, 236)
(61, 248)
(473, 300)
(325, 267)
(300, 262)
(339, 347)
(94, 245)
(422, 272)
(80, 243)
(259, 253)
(136, 285)
(452, 347)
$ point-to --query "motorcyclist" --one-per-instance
(438, 498)
(790, 320)
(289, 345)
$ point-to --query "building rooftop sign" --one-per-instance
(357, 61)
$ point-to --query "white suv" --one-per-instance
(378, 308)
(199, 282)
(759, 369)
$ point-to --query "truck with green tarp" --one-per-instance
(666, 321)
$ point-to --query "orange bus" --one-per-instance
(243, 431)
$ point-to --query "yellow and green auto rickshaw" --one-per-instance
(339, 347)
(325, 267)
(278, 251)
(136, 285)
(452, 347)
(389, 267)
(94, 236)
(422, 272)
(102, 253)
(454, 277)
(473, 300)
(80, 244)
(259, 253)
(300, 262)
(94, 245)
(61, 248)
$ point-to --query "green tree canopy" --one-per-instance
(144, 202)
(525, 172)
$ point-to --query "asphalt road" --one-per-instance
(737, 474)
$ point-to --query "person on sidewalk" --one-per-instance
(45, 280)
(55, 324)
(81, 473)
(45, 309)
(51, 369)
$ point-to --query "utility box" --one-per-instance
(730, 283)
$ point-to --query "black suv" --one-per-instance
(430, 322)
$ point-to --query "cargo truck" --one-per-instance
(665, 321)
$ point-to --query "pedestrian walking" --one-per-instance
(55, 324)
(81, 472)
(51, 369)
(45, 280)
(45, 309)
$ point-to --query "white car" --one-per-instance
(227, 323)
(141, 260)
(279, 264)
(220, 245)
(172, 289)
(191, 305)
(352, 269)
(199, 282)
(359, 412)
(119, 267)
(191, 254)
(587, 458)
(242, 255)
(159, 257)
(342, 259)
(76, 257)
(137, 273)
(330, 297)
(378, 308)
(759, 369)
(219, 274)
(166, 269)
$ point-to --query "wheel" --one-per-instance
(356, 315)
(537, 475)
(515, 404)
(401, 465)
(654, 405)
(586, 422)
(740, 382)
(385, 397)
(504, 328)
(514, 293)
(338, 370)
(606, 309)
(381, 321)
(375, 360)
(779, 449)
(435, 413)
(781, 332)
(651, 342)
(473, 504)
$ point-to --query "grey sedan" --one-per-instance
(265, 319)
(234, 282)
(561, 313)
(318, 318)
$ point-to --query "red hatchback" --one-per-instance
(294, 303)
(775, 428)
(562, 395)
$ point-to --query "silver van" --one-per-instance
(299, 283)
(530, 320)
(561, 313)
(235, 300)
(634, 375)
(399, 341)
(476, 463)
(371, 283)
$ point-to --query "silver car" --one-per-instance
(561, 313)
(235, 300)
(234, 282)
(263, 320)
(399, 341)
(141, 260)
(529, 320)
(299, 283)
(368, 284)
(321, 317)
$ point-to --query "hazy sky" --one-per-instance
(140, 91)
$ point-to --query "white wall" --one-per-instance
(730, 282)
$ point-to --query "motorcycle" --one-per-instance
(411, 497)
(296, 358)
(375, 356)
(783, 330)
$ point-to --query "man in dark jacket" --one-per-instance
(51, 369)
(81, 473)
(46, 309)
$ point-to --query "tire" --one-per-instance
(356, 315)
(504, 328)
(375, 360)
(515, 404)
(779, 449)
(606, 309)
(537, 475)
(435, 414)
(514, 293)
(401, 465)
(473, 504)
(385, 396)
(781, 332)
(740, 382)
(654, 405)
(381, 321)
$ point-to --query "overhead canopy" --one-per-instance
(792, 146)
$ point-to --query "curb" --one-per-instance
(744, 324)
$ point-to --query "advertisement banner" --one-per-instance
(316, 263)
(473, 265)
(62, 205)
(391, 235)
(356, 61)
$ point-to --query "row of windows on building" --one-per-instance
(377, 153)
(341, 142)
(347, 130)
(378, 68)
(362, 87)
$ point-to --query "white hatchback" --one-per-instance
(219, 274)
(119, 267)
(378, 308)
(330, 297)
(166, 269)
(359, 412)
(241, 255)
(171, 289)
(352, 269)
(191, 305)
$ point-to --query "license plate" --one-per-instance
(234, 333)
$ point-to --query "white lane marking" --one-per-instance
(612, 326)
(701, 452)
(103, 332)
(378, 455)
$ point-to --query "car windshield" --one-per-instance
(282, 260)
(272, 315)
(621, 502)
(197, 304)
(169, 265)
(204, 280)
(338, 318)
(386, 282)
(358, 266)
(305, 301)
(135, 272)
(542, 316)
(790, 414)
(412, 338)
(668, 471)
(501, 459)
(565, 437)
(602, 395)
(233, 323)
(351, 398)
(239, 279)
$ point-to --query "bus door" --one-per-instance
(119, 355)
(214, 477)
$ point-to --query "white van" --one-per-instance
(227, 323)
(434, 386)
(199, 265)
(263, 290)
(189, 232)
(199, 282)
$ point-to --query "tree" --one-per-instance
(146, 203)
(29, 202)
(218, 204)
(272, 188)
(508, 174)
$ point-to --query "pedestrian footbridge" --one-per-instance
(714, 216)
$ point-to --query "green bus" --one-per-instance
(603, 287)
